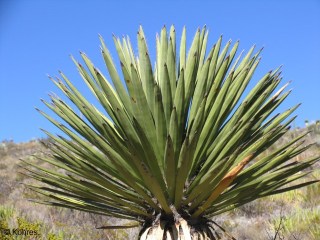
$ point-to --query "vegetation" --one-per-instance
(16, 211)
(14, 227)
(257, 220)
(304, 224)
(179, 144)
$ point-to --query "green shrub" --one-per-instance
(11, 221)
(303, 222)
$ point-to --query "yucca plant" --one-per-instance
(178, 145)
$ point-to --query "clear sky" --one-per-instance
(37, 37)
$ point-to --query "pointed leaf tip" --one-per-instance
(48, 75)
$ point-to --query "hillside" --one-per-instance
(292, 215)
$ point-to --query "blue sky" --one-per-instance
(37, 37)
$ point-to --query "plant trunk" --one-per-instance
(180, 230)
